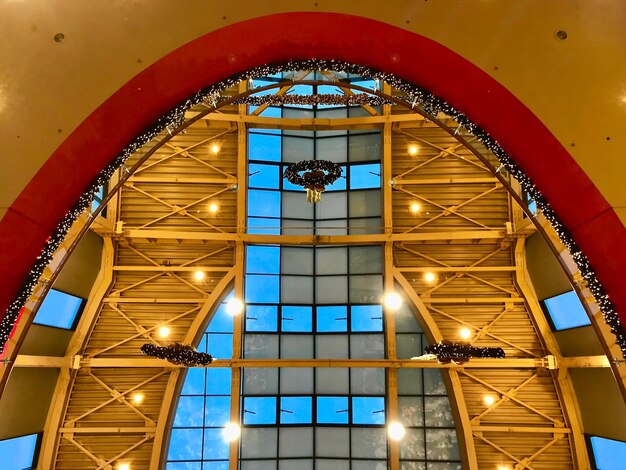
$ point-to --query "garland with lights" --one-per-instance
(178, 353)
(416, 97)
(460, 353)
(318, 174)
(360, 99)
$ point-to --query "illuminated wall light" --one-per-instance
(489, 400)
(138, 398)
(215, 148)
(164, 332)
(199, 275)
(396, 431)
(123, 466)
(413, 149)
(231, 432)
(234, 306)
(465, 333)
(214, 208)
(392, 301)
(430, 277)
(415, 208)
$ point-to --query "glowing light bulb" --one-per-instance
(199, 275)
(489, 400)
(138, 398)
(231, 432)
(504, 467)
(234, 306)
(413, 150)
(164, 332)
(430, 277)
(213, 208)
(465, 333)
(393, 301)
(123, 466)
(396, 431)
(215, 148)
(415, 208)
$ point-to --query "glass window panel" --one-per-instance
(331, 290)
(331, 227)
(412, 445)
(567, 311)
(288, 186)
(194, 382)
(261, 346)
(297, 227)
(296, 347)
(331, 113)
(261, 318)
(18, 452)
(259, 410)
(366, 288)
(331, 260)
(332, 319)
(298, 464)
(441, 444)
(263, 226)
(263, 203)
(265, 147)
(369, 443)
(177, 465)
(258, 443)
(296, 410)
(261, 289)
(366, 318)
(413, 466)
(340, 183)
(333, 206)
(258, 465)
(331, 381)
(364, 147)
(262, 259)
(369, 465)
(221, 345)
(365, 226)
(185, 444)
(296, 289)
(450, 466)
(406, 322)
(438, 412)
(366, 203)
(367, 346)
(189, 412)
(411, 410)
(218, 381)
(331, 346)
(334, 149)
(296, 318)
(332, 410)
(367, 381)
(297, 260)
(296, 149)
(217, 411)
(408, 345)
(409, 381)
(58, 310)
(296, 380)
(324, 464)
(260, 381)
(366, 259)
(368, 410)
(433, 382)
(221, 322)
(295, 206)
(609, 454)
(332, 442)
(264, 176)
(365, 176)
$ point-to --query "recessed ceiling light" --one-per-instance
(430, 277)
(465, 333)
(199, 275)
(138, 398)
(415, 208)
(164, 332)
(215, 148)
(123, 466)
(393, 301)
(413, 149)
(396, 431)
(213, 208)
(489, 400)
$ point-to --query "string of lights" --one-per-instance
(460, 353)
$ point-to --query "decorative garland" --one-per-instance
(460, 353)
(416, 97)
(359, 99)
(178, 353)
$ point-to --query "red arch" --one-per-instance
(210, 58)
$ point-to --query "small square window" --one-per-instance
(296, 410)
(296, 319)
(262, 289)
(608, 453)
(264, 176)
(264, 147)
(58, 310)
(332, 410)
(365, 176)
(18, 452)
(262, 259)
(261, 317)
(263, 226)
(566, 311)
(367, 318)
(259, 410)
(332, 319)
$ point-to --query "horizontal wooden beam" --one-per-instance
(454, 269)
(408, 181)
(109, 430)
(522, 429)
(471, 300)
(181, 179)
(208, 269)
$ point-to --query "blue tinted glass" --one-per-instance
(332, 319)
(368, 410)
(264, 176)
(367, 318)
(258, 83)
(263, 203)
(221, 345)
(567, 311)
(287, 186)
(261, 318)
(332, 410)
(328, 90)
(296, 318)
(215, 447)
(189, 412)
(264, 147)
(365, 176)
(217, 381)
(194, 382)
(340, 184)
(202, 345)
(183, 466)
(217, 411)
(17, 453)
(222, 321)
(263, 226)
(608, 454)
(532, 205)
(263, 259)
(296, 410)
(364, 83)
(58, 309)
(223, 465)
(185, 444)
(262, 289)
(259, 410)
(97, 199)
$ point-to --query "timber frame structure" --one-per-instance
(471, 231)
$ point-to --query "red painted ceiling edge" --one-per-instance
(216, 55)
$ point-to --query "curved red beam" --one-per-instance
(33, 217)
